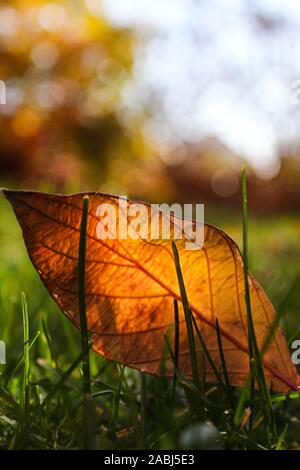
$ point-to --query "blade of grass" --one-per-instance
(49, 342)
(176, 337)
(191, 324)
(224, 366)
(245, 393)
(41, 412)
(188, 321)
(24, 404)
(254, 352)
(88, 432)
(285, 396)
(197, 401)
(247, 290)
(21, 360)
(8, 399)
(177, 372)
(21, 433)
(280, 442)
(81, 298)
(209, 358)
(58, 386)
(176, 346)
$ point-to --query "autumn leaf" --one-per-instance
(131, 285)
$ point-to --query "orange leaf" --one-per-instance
(131, 284)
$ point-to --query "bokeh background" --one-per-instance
(162, 101)
(158, 100)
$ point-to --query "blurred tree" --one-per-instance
(64, 69)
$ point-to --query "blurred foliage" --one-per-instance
(64, 70)
(208, 171)
(66, 125)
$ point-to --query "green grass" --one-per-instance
(41, 389)
(88, 404)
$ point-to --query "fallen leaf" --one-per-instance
(131, 284)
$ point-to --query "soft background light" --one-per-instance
(221, 68)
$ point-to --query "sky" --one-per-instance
(214, 67)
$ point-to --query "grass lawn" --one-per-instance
(131, 410)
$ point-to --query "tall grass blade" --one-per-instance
(209, 357)
(21, 360)
(254, 353)
(21, 434)
(49, 342)
(247, 290)
(244, 395)
(87, 401)
(176, 345)
(224, 366)
(188, 321)
(24, 404)
(177, 372)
